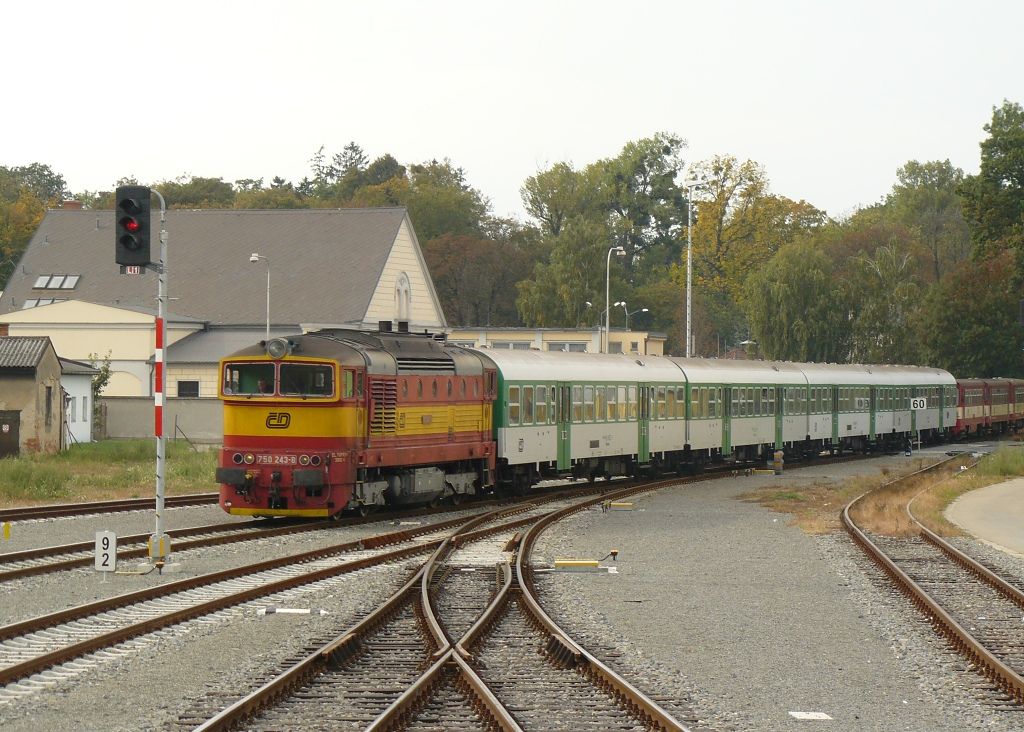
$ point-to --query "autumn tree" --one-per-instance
(739, 225)
(25, 192)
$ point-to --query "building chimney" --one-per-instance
(71, 205)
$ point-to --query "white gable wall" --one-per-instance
(406, 259)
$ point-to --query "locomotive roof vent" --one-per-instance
(384, 326)
(403, 326)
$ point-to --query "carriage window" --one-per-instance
(623, 403)
(513, 405)
(599, 402)
(307, 379)
(661, 402)
(670, 403)
(527, 405)
(632, 402)
(588, 403)
(249, 378)
(577, 404)
(610, 397)
(347, 385)
(540, 412)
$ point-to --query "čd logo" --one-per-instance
(278, 420)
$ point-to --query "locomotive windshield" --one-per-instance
(296, 379)
(307, 379)
(249, 378)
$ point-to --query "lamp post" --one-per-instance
(254, 258)
(690, 186)
(621, 252)
(628, 313)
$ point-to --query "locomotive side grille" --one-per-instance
(409, 365)
(385, 400)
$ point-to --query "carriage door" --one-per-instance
(780, 402)
(834, 391)
(872, 405)
(726, 420)
(563, 414)
(643, 443)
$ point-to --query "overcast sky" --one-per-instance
(831, 98)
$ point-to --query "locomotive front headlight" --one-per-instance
(315, 460)
(249, 458)
(303, 459)
(278, 347)
(237, 458)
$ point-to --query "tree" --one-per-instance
(993, 200)
(38, 179)
(889, 296)
(739, 225)
(440, 201)
(969, 325)
(473, 291)
(645, 206)
(796, 310)
(925, 200)
(197, 192)
(18, 221)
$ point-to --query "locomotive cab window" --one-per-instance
(307, 379)
(248, 378)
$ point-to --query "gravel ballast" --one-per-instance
(724, 601)
(720, 609)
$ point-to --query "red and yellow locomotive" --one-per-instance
(338, 420)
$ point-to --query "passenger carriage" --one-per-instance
(972, 414)
(739, 407)
(919, 401)
(583, 414)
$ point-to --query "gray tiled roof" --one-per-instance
(22, 352)
(324, 263)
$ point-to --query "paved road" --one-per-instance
(994, 514)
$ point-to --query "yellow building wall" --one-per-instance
(205, 375)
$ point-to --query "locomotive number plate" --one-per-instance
(276, 460)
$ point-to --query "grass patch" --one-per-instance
(816, 508)
(104, 470)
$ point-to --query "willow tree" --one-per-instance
(796, 310)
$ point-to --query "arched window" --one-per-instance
(403, 297)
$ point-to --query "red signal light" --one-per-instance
(129, 224)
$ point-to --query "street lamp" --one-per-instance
(628, 313)
(690, 186)
(621, 252)
(254, 258)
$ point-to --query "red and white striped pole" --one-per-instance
(159, 542)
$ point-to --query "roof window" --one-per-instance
(34, 303)
(56, 282)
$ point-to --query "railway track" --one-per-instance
(977, 611)
(463, 645)
(61, 510)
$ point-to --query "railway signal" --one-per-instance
(131, 232)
